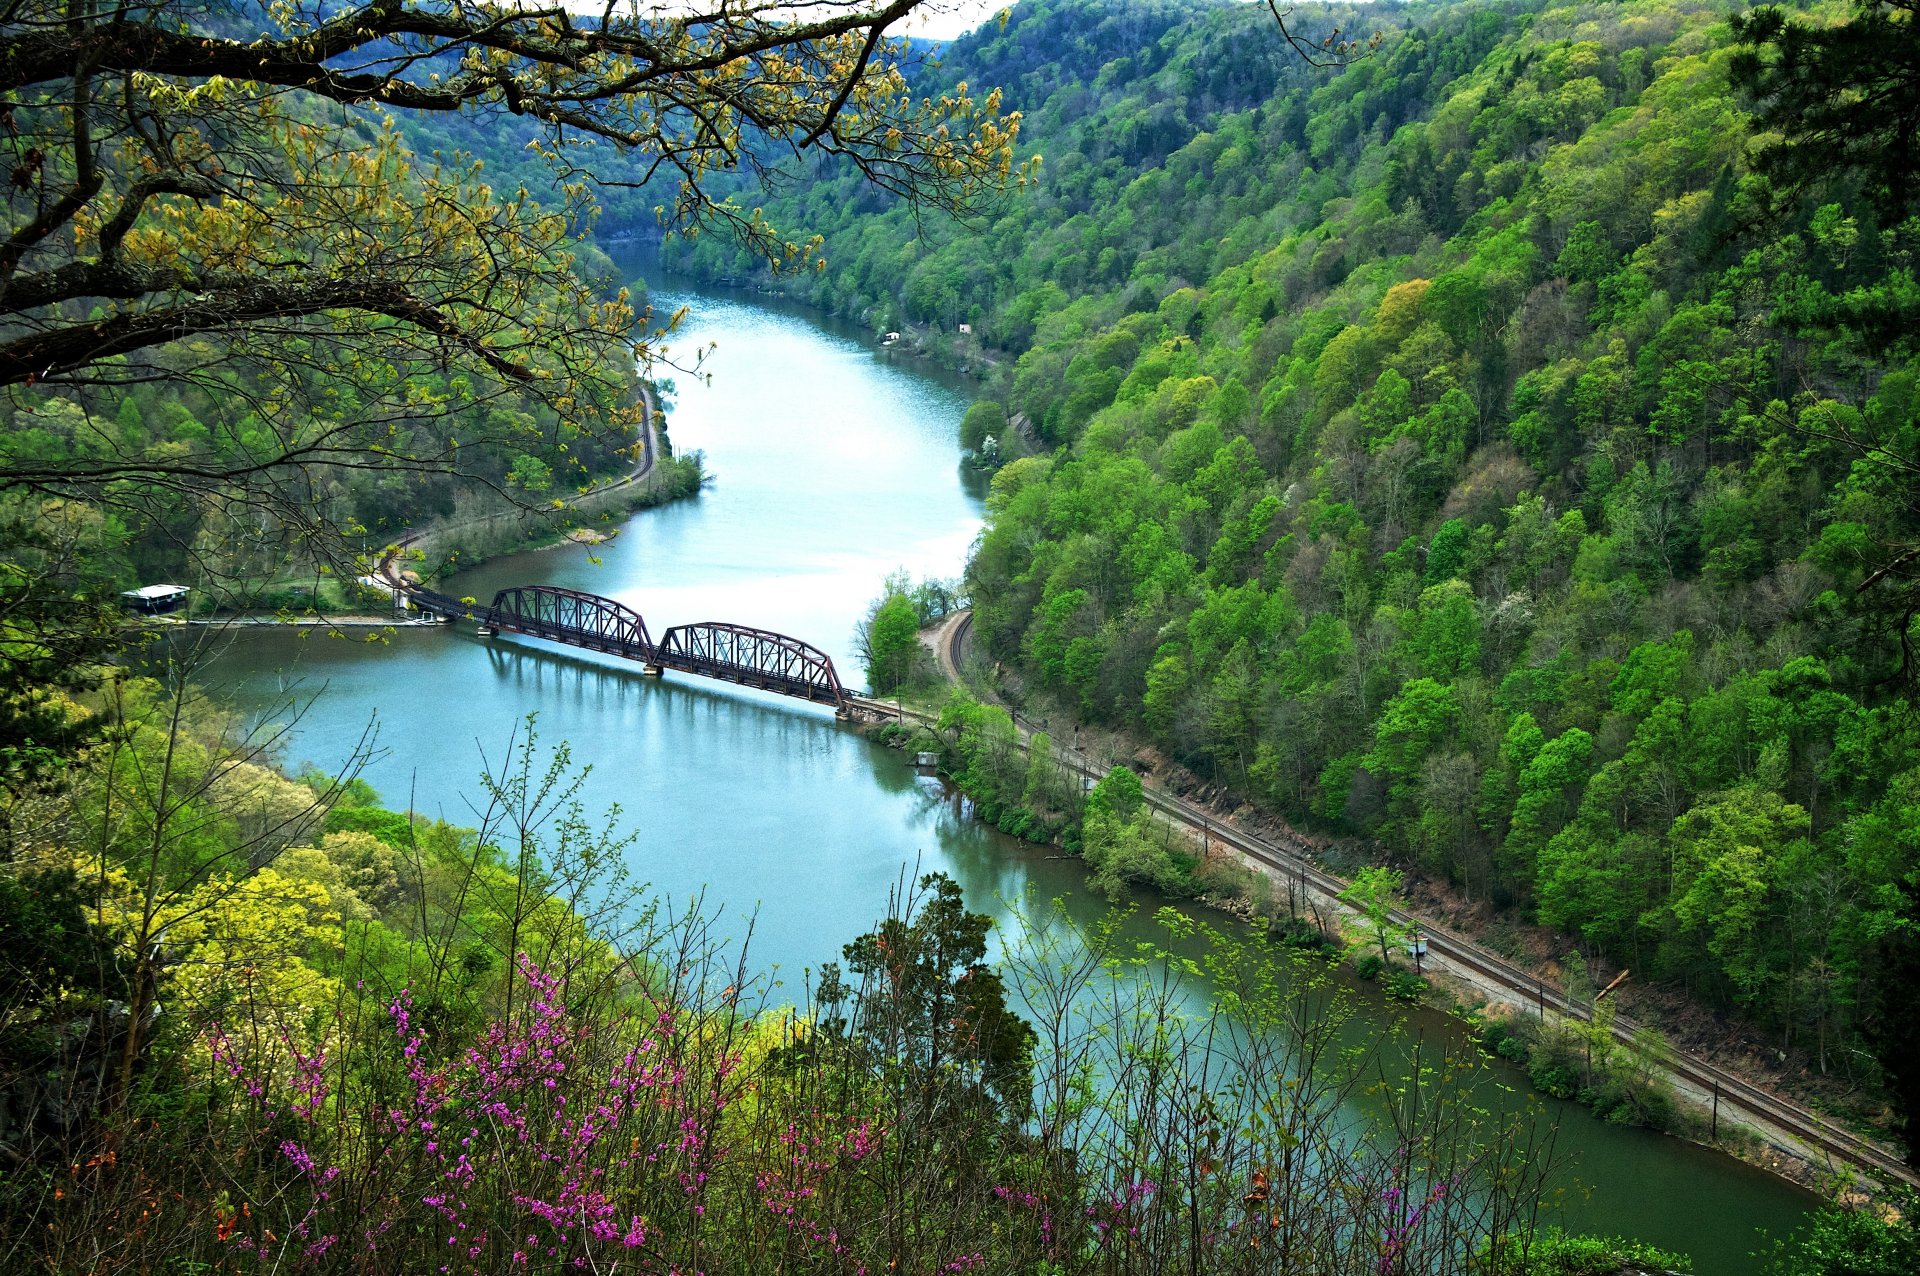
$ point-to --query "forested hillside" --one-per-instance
(1465, 449)
(1468, 449)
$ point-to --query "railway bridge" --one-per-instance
(740, 654)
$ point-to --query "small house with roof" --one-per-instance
(155, 600)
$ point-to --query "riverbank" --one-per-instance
(312, 622)
(1726, 1111)
(456, 544)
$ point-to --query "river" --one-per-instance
(834, 464)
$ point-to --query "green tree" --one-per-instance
(1545, 790)
(1727, 854)
(1448, 551)
(530, 474)
(1852, 1241)
(1373, 892)
(925, 1004)
(1410, 725)
(985, 419)
(1587, 255)
(1844, 98)
(889, 641)
(1446, 630)
(1118, 793)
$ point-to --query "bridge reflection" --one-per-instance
(740, 654)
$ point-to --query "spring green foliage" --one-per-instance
(1469, 450)
(1373, 891)
(1558, 1254)
(376, 1031)
(1852, 1242)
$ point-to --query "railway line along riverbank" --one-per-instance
(1741, 1116)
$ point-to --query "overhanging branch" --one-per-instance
(41, 355)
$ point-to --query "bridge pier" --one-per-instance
(653, 671)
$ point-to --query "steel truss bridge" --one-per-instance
(757, 658)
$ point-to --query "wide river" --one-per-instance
(833, 464)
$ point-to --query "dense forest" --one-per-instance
(1474, 449)
(1456, 427)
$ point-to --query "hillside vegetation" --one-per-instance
(1463, 450)
(1467, 449)
(250, 1024)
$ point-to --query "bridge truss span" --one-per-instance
(573, 617)
(739, 654)
(753, 658)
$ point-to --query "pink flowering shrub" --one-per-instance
(548, 1142)
(643, 1123)
(556, 1142)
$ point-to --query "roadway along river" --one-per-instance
(833, 465)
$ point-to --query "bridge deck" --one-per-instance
(747, 657)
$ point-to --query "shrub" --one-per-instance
(1404, 985)
(1556, 1253)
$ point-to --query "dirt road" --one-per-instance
(390, 571)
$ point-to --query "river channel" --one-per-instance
(833, 464)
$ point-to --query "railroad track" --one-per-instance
(1842, 1147)
(957, 642)
(1734, 1092)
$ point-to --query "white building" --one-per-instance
(155, 600)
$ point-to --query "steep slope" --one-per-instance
(1448, 450)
